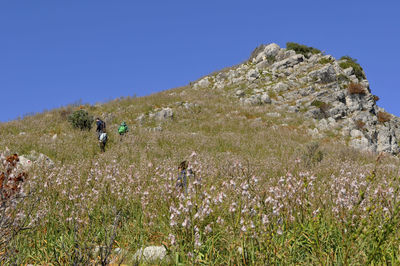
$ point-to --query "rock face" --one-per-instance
(315, 85)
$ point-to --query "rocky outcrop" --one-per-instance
(335, 98)
(151, 254)
(26, 161)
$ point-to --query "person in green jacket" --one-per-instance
(122, 130)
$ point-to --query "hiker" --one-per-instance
(123, 128)
(103, 141)
(182, 176)
(101, 127)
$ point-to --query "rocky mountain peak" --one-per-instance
(334, 94)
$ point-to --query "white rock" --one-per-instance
(273, 114)
(323, 125)
(314, 132)
(348, 71)
(252, 74)
(265, 98)
(289, 62)
(355, 133)
(141, 118)
(271, 50)
(281, 87)
(165, 113)
(325, 74)
(360, 144)
(252, 100)
(203, 83)
(239, 93)
(24, 162)
(151, 254)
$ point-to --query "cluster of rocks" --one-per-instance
(316, 85)
(186, 105)
(159, 114)
(26, 161)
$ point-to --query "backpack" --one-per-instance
(103, 137)
(122, 129)
(103, 125)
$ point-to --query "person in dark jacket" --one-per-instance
(101, 127)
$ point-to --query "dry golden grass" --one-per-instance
(384, 117)
(356, 88)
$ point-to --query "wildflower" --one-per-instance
(268, 200)
(232, 208)
(264, 219)
(172, 220)
(252, 226)
(243, 229)
(245, 186)
(186, 223)
(208, 229)
(197, 241)
(172, 239)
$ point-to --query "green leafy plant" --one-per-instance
(325, 60)
(351, 62)
(342, 77)
(81, 119)
(302, 49)
(312, 154)
(321, 105)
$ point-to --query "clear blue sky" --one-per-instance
(53, 53)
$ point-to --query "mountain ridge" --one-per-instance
(334, 92)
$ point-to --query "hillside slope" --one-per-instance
(277, 179)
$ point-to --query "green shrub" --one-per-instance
(325, 60)
(81, 119)
(312, 154)
(272, 94)
(342, 77)
(302, 49)
(321, 105)
(351, 62)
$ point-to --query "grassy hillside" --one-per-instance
(264, 192)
